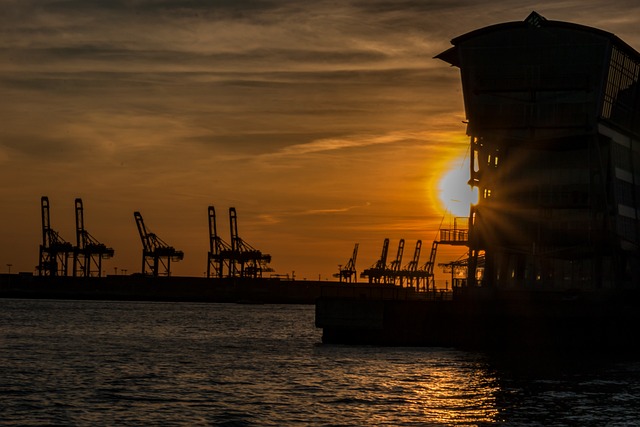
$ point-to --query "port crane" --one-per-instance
(395, 265)
(54, 250)
(245, 260)
(348, 272)
(428, 267)
(88, 252)
(412, 266)
(377, 272)
(156, 254)
(219, 257)
(411, 271)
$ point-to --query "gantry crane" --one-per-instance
(54, 250)
(155, 252)
(411, 271)
(413, 264)
(220, 253)
(245, 261)
(379, 270)
(89, 253)
(428, 268)
(348, 272)
(394, 266)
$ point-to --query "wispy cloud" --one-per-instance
(333, 210)
(343, 143)
(303, 111)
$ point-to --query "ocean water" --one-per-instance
(90, 363)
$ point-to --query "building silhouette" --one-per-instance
(553, 113)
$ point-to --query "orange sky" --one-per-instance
(324, 124)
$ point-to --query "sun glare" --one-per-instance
(455, 194)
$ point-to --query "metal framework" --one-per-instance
(88, 253)
(395, 265)
(156, 254)
(219, 257)
(348, 272)
(54, 250)
(411, 271)
(429, 266)
(244, 259)
(378, 272)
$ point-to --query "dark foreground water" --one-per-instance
(122, 363)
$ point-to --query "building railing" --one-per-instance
(454, 235)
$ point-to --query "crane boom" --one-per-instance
(395, 264)
(46, 221)
(348, 272)
(54, 250)
(80, 232)
(379, 270)
(213, 231)
(142, 230)
(156, 254)
(382, 262)
(413, 264)
(244, 259)
(89, 252)
(219, 250)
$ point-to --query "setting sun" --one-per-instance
(455, 193)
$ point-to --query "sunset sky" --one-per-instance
(323, 123)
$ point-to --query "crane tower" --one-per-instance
(219, 257)
(378, 271)
(156, 254)
(54, 250)
(88, 253)
(348, 272)
(245, 260)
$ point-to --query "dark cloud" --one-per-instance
(35, 145)
(231, 8)
(409, 6)
(270, 104)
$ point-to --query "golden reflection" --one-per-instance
(457, 395)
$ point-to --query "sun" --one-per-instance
(455, 193)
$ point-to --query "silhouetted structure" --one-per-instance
(348, 272)
(88, 253)
(411, 275)
(411, 271)
(245, 260)
(395, 265)
(554, 121)
(219, 257)
(156, 254)
(377, 273)
(54, 250)
(553, 114)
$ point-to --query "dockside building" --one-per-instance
(553, 113)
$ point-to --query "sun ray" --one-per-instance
(456, 196)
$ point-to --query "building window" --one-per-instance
(621, 92)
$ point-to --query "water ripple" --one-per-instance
(122, 363)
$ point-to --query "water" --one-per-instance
(124, 363)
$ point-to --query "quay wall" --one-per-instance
(143, 288)
(486, 319)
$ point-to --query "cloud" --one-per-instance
(333, 210)
(298, 113)
(330, 144)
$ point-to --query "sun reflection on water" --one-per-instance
(430, 386)
(454, 395)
